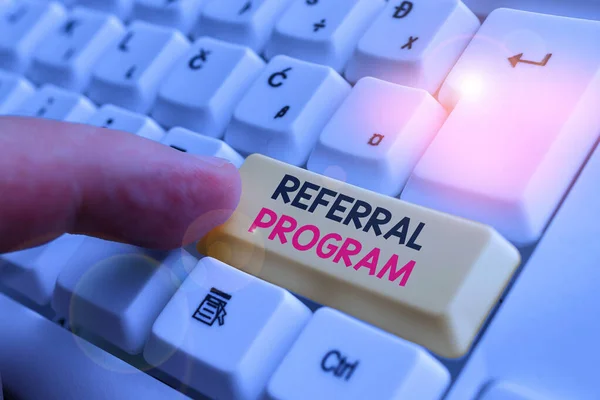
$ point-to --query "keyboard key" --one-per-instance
(116, 291)
(120, 8)
(284, 111)
(554, 302)
(524, 120)
(24, 24)
(187, 141)
(204, 87)
(41, 360)
(68, 53)
(339, 357)
(55, 103)
(246, 22)
(426, 276)
(113, 117)
(128, 75)
(414, 43)
(573, 8)
(33, 272)
(323, 32)
(14, 90)
(377, 149)
(506, 391)
(178, 14)
(224, 332)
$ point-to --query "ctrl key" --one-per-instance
(224, 332)
(339, 357)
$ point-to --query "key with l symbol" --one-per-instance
(525, 116)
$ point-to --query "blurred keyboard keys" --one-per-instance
(130, 72)
(120, 8)
(202, 90)
(178, 14)
(113, 117)
(414, 43)
(324, 32)
(68, 53)
(224, 332)
(33, 272)
(285, 109)
(376, 137)
(116, 291)
(14, 90)
(246, 22)
(24, 24)
(55, 103)
(191, 142)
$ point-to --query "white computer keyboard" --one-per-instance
(483, 120)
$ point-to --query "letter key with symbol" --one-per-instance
(414, 43)
(285, 109)
(129, 74)
(202, 90)
(68, 54)
(246, 22)
(377, 151)
(325, 32)
(525, 117)
(340, 357)
(225, 348)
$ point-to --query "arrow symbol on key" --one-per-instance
(514, 60)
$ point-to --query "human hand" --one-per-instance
(58, 177)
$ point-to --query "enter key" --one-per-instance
(426, 276)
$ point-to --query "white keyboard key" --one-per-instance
(544, 337)
(24, 24)
(187, 141)
(377, 149)
(246, 22)
(14, 90)
(116, 291)
(178, 14)
(55, 103)
(67, 55)
(202, 90)
(339, 357)
(113, 117)
(120, 8)
(572, 8)
(128, 74)
(324, 32)
(508, 391)
(225, 331)
(41, 360)
(414, 43)
(33, 272)
(526, 117)
(283, 113)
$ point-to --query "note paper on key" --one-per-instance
(426, 276)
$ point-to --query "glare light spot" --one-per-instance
(471, 87)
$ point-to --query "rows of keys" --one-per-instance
(377, 100)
